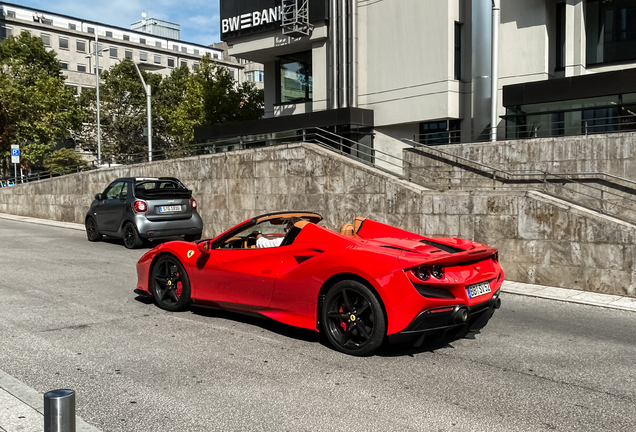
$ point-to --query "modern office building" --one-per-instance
(73, 39)
(381, 70)
(157, 27)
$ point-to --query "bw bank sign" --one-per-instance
(246, 17)
(251, 19)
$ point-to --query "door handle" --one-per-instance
(266, 272)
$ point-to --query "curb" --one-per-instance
(69, 225)
(23, 407)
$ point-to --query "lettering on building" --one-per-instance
(252, 19)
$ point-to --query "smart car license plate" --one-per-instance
(478, 289)
(168, 209)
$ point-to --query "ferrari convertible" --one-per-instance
(365, 284)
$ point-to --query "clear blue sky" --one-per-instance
(199, 19)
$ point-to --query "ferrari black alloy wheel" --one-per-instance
(170, 284)
(352, 319)
(92, 233)
(131, 236)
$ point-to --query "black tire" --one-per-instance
(170, 284)
(352, 319)
(131, 236)
(192, 237)
(92, 233)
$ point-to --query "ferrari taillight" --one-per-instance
(437, 271)
(193, 204)
(140, 206)
(422, 273)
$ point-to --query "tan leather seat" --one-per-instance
(347, 230)
(357, 224)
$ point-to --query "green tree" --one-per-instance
(64, 161)
(122, 113)
(212, 97)
(36, 109)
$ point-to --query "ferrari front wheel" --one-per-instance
(170, 284)
(352, 318)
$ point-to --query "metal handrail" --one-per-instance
(565, 177)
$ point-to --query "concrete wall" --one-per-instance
(542, 240)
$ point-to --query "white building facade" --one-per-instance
(378, 71)
(73, 39)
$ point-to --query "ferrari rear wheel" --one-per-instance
(170, 284)
(352, 318)
(92, 233)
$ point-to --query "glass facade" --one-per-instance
(606, 114)
(610, 31)
(296, 83)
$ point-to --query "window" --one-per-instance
(46, 39)
(126, 37)
(216, 55)
(170, 62)
(184, 49)
(195, 66)
(232, 73)
(439, 132)
(143, 56)
(81, 46)
(11, 14)
(109, 33)
(255, 76)
(175, 47)
(114, 191)
(184, 63)
(63, 43)
(72, 26)
(458, 51)
(196, 52)
(158, 44)
(5, 32)
(64, 65)
(81, 68)
(142, 41)
(610, 29)
(73, 88)
(86, 88)
(560, 36)
(296, 82)
(47, 21)
(98, 49)
(100, 70)
(128, 54)
(157, 59)
(90, 30)
(113, 51)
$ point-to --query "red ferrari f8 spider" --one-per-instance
(362, 285)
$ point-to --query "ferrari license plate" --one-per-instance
(168, 209)
(478, 289)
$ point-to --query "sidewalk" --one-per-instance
(22, 408)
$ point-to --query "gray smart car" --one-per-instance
(142, 209)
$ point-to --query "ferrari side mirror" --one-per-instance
(204, 247)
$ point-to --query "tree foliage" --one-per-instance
(64, 161)
(122, 112)
(36, 109)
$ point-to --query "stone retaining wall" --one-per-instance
(541, 240)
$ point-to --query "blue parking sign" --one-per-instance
(15, 154)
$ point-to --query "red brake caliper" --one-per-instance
(342, 323)
(179, 287)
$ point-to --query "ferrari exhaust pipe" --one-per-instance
(497, 303)
(461, 316)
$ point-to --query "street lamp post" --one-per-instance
(148, 91)
(96, 53)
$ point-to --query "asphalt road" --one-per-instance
(69, 319)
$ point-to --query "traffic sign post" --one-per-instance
(15, 160)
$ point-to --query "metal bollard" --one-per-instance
(59, 411)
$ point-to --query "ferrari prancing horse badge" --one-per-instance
(190, 253)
